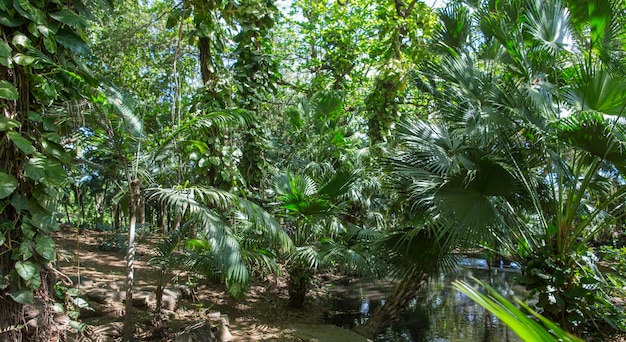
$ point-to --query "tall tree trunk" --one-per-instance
(135, 198)
(206, 64)
(385, 315)
(141, 212)
(116, 216)
(160, 217)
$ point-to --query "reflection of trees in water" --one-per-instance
(444, 314)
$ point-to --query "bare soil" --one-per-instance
(261, 316)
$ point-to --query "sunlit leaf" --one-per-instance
(26, 269)
(8, 184)
(45, 246)
(8, 91)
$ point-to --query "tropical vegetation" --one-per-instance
(375, 139)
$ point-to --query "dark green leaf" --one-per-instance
(10, 21)
(173, 18)
(69, 18)
(19, 202)
(70, 40)
(22, 143)
(5, 49)
(8, 184)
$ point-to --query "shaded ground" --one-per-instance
(261, 316)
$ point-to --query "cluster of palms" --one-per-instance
(525, 148)
(519, 154)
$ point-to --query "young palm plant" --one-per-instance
(321, 227)
(231, 234)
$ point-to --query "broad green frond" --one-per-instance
(591, 132)
(598, 90)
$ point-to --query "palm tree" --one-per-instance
(322, 228)
(453, 192)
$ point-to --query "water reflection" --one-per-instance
(439, 314)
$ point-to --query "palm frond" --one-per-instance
(548, 23)
(597, 90)
(591, 132)
(454, 32)
(224, 251)
(220, 119)
(524, 326)
(124, 105)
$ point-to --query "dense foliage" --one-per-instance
(371, 138)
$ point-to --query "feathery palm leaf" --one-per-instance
(224, 249)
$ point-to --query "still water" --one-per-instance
(440, 313)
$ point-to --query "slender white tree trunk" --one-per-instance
(129, 325)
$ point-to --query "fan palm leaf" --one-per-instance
(549, 24)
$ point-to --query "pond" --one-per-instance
(440, 313)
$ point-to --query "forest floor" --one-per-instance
(261, 316)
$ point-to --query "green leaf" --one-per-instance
(69, 18)
(19, 202)
(23, 60)
(5, 49)
(10, 21)
(78, 326)
(2, 239)
(57, 151)
(7, 124)
(19, 39)
(44, 246)
(70, 40)
(46, 223)
(22, 296)
(22, 143)
(173, 18)
(50, 43)
(25, 251)
(34, 116)
(27, 269)
(35, 168)
(24, 8)
(8, 91)
(55, 173)
(8, 184)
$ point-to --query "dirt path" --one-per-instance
(261, 316)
